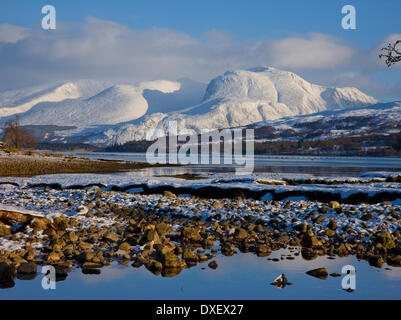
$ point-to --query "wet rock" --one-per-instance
(125, 246)
(170, 272)
(190, 257)
(310, 241)
(376, 261)
(27, 268)
(91, 271)
(163, 249)
(394, 261)
(7, 271)
(91, 265)
(281, 281)
(154, 266)
(7, 283)
(203, 258)
(227, 248)
(342, 250)
(53, 258)
(335, 275)
(308, 254)
(150, 235)
(170, 260)
(320, 273)
(189, 233)
(263, 250)
(213, 264)
(385, 239)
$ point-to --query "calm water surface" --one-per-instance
(242, 276)
(320, 166)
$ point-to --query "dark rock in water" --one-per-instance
(21, 276)
(154, 266)
(7, 284)
(91, 271)
(335, 275)
(137, 264)
(263, 250)
(213, 264)
(281, 281)
(310, 241)
(376, 261)
(227, 248)
(342, 250)
(320, 273)
(309, 254)
(6, 271)
(171, 272)
(27, 268)
(394, 261)
(191, 258)
(170, 260)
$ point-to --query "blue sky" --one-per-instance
(238, 25)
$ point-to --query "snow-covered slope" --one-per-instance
(380, 118)
(241, 97)
(106, 113)
(18, 101)
(84, 103)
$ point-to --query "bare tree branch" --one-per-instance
(16, 136)
(392, 55)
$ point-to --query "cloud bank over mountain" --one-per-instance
(106, 50)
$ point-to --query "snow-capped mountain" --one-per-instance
(109, 113)
(241, 97)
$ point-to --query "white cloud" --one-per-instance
(107, 50)
(318, 51)
(12, 34)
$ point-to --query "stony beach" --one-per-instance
(88, 228)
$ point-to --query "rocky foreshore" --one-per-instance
(166, 233)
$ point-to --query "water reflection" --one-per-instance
(242, 276)
(320, 166)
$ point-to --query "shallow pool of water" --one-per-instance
(242, 276)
